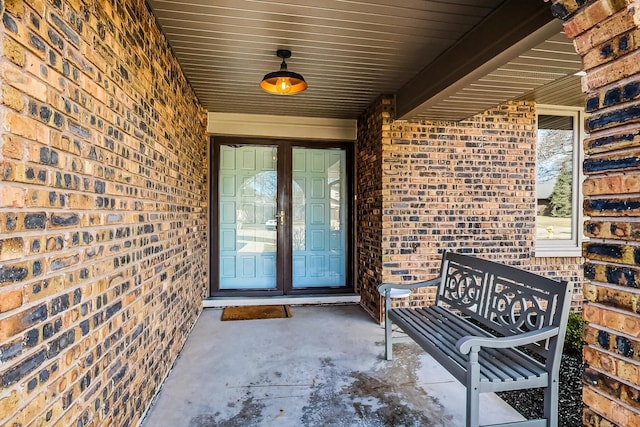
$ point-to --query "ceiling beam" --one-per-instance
(513, 28)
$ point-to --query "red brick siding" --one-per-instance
(606, 34)
(102, 226)
(467, 187)
(371, 127)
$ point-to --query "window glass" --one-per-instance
(554, 178)
(558, 181)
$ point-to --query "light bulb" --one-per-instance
(283, 85)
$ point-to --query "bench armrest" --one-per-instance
(465, 344)
(383, 288)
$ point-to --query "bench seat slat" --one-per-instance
(518, 361)
(526, 365)
(490, 371)
(526, 368)
(501, 370)
(453, 324)
(427, 327)
(452, 362)
(443, 329)
(530, 368)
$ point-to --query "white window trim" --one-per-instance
(573, 247)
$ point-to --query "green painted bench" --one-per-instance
(485, 314)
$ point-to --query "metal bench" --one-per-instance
(485, 314)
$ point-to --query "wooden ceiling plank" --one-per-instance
(542, 62)
(514, 67)
(391, 41)
(229, 46)
(210, 57)
(316, 25)
(398, 8)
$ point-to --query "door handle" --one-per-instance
(281, 216)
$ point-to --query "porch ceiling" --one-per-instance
(351, 51)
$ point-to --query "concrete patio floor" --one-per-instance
(322, 367)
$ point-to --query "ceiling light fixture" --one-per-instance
(283, 82)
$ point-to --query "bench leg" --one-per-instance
(551, 404)
(388, 351)
(473, 393)
(473, 407)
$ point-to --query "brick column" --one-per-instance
(373, 126)
(607, 36)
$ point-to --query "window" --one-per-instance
(559, 181)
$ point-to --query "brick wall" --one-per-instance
(102, 227)
(467, 187)
(607, 35)
(372, 128)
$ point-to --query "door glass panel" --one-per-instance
(318, 227)
(247, 193)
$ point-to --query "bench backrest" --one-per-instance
(504, 298)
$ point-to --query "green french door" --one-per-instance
(281, 217)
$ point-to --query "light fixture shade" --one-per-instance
(283, 82)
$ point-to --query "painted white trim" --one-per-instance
(270, 126)
(293, 300)
(573, 247)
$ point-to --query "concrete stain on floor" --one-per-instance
(386, 395)
(323, 367)
(250, 413)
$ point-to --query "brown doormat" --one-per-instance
(251, 312)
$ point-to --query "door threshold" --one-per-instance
(222, 302)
